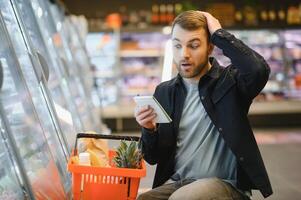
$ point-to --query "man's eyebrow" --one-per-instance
(192, 40)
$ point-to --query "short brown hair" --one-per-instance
(191, 20)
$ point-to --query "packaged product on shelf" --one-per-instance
(293, 16)
(170, 13)
(155, 14)
(163, 14)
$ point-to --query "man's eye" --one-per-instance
(194, 46)
(177, 46)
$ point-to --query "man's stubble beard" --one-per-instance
(196, 71)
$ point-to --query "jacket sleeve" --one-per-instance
(149, 141)
(250, 69)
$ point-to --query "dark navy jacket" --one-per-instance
(226, 94)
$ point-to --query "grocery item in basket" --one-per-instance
(98, 150)
(94, 183)
(97, 158)
(84, 159)
(128, 155)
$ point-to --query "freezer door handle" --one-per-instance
(1, 75)
(65, 65)
(45, 67)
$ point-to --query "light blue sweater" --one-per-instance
(201, 150)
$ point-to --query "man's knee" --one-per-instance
(162, 192)
(201, 189)
(143, 196)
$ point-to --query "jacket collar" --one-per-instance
(215, 70)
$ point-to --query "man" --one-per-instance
(209, 150)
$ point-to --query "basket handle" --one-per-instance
(101, 136)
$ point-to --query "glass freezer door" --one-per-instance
(38, 94)
(74, 43)
(79, 54)
(82, 63)
(10, 182)
(84, 66)
(48, 31)
(56, 82)
(32, 141)
(78, 90)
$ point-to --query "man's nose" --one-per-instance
(185, 53)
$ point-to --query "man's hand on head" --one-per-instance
(212, 22)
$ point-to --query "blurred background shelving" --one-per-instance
(140, 70)
(272, 29)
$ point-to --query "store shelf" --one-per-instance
(118, 111)
(105, 74)
(143, 73)
(121, 118)
(275, 107)
(140, 53)
(257, 108)
(134, 92)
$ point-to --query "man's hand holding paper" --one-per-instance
(145, 116)
(149, 112)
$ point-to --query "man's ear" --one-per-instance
(210, 48)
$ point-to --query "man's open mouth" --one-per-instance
(185, 65)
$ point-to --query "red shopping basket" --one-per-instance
(104, 183)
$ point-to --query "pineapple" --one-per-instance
(128, 155)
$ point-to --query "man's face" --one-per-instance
(191, 51)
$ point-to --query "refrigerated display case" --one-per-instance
(35, 82)
(72, 42)
(74, 89)
(79, 53)
(42, 47)
(32, 142)
(12, 185)
(80, 56)
(76, 86)
(292, 44)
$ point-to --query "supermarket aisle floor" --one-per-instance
(281, 150)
